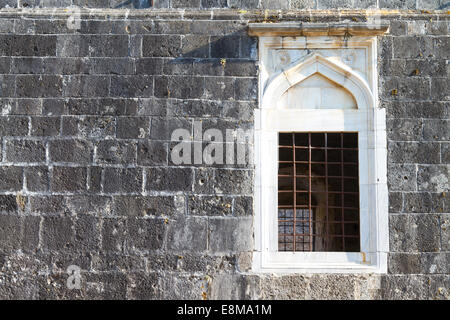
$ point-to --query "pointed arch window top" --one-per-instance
(315, 64)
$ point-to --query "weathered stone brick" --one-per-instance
(87, 233)
(162, 128)
(151, 153)
(37, 178)
(133, 127)
(149, 205)
(395, 202)
(11, 178)
(68, 179)
(42, 86)
(221, 88)
(8, 204)
(402, 177)
(114, 232)
(146, 234)
(188, 233)
(122, 180)
(404, 263)
(225, 47)
(181, 87)
(88, 126)
(45, 126)
(195, 46)
(161, 45)
(73, 150)
(423, 202)
(131, 86)
(210, 206)
(433, 178)
(47, 204)
(86, 86)
(233, 181)
(13, 126)
(33, 45)
(111, 151)
(245, 89)
(404, 129)
(169, 179)
(58, 233)
(230, 235)
(415, 233)
(10, 235)
(25, 151)
(413, 152)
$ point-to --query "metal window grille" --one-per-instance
(318, 192)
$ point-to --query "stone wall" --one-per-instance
(234, 4)
(86, 178)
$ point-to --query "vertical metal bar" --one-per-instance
(295, 193)
(327, 242)
(342, 190)
(309, 194)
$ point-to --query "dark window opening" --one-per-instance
(318, 192)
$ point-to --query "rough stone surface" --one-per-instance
(86, 177)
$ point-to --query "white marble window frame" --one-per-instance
(370, 123)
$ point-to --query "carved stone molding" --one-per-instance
(289, 29)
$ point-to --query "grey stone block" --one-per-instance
(111, 151)
(188, 234)
(45, 126)
(11, 178)
(169, 179)
(415, 233)
(140, 206)
(131, 86)
(433, 178)
(58, 233)
(402, 177)
(404, 263)
(37, 179)
(413, 152)
(146, 234)
(73, 150)
(180, 87)
(87, 233)
(10, 235)
(230, 235)
(89, 126)
(210, 206)
(8, 204)
(25, 151)
(161, 45)
(86, 86)
(151, 153)
(42, 86)
(114, 232)
(122, 180)
(68, 179)
(13, 126)
(133, 127)
(225, 47)
(423, 202)
(404, 129)
(162, 128)
(246, 89)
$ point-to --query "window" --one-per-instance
(320, 152)
(318, 192)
